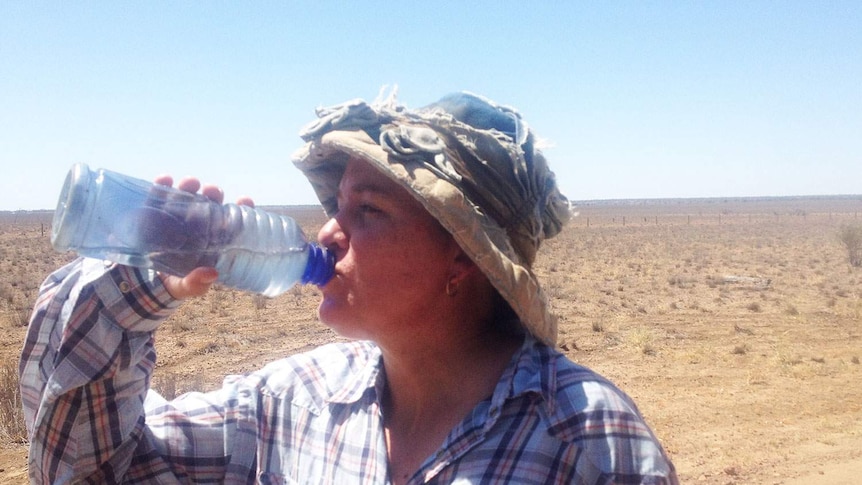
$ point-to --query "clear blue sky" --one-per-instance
(639, 99)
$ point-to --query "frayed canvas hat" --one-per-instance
(473, 165)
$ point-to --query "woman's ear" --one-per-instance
(462, 268)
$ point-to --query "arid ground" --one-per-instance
(735, 324)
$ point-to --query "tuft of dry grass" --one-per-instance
(643, 340)
(598, 325)
(172, 384)
(741, 349)
(12, 428)
(851, 237)
(259, 301)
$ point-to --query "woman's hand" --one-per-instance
(199, 280)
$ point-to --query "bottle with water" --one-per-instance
(107, 215)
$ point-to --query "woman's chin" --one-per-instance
(338, 319)
(328, 312)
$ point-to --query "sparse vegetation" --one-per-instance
(598, 325)
(741, 349)
(643, 340)
(12, 429)
(851, 237)
(684, 314)
(754, 307)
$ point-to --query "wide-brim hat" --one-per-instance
(472, 164)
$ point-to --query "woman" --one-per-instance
(436, 217)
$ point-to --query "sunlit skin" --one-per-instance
(442, 354)
(393, 259)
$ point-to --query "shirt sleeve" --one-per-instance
(85, 369)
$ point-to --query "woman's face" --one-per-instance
(393, 258)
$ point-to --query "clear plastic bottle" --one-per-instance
(107, 215)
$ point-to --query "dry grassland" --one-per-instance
(735, 324)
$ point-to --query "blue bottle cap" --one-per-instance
(320, 267)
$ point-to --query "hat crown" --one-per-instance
(486, 150)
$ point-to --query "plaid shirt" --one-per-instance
(310, 418)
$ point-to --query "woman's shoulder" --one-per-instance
(577, 397)
(570, 389)
(573, 380)
(586, 409)
(561, 376)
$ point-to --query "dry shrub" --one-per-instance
(681, 281)
(259, 301)
(643, 340)
(12, 429)
(171, 384)
(166, 385)
(218, 297)
(851, 237)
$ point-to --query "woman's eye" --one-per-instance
(368, 209)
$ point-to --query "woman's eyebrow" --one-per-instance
(362, 188)
(368, 187)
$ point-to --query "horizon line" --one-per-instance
(737, 198)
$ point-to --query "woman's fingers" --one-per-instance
(196, 283)
(199, 280)
(213, 192)
(189, 184)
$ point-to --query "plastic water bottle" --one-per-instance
(107, 215)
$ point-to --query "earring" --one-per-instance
(451, 288)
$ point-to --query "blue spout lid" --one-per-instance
(320, 267)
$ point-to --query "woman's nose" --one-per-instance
(332, 235)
